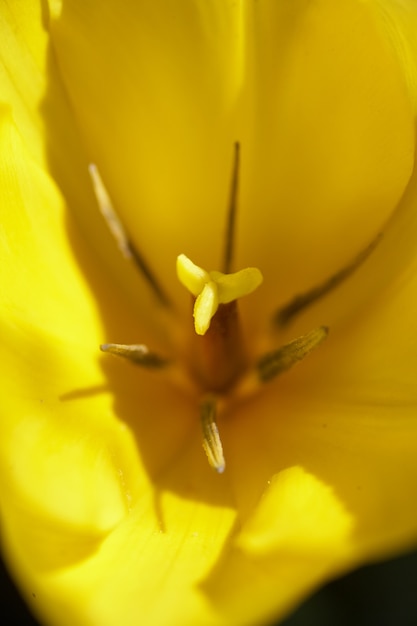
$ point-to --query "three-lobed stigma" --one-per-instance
(213, 288)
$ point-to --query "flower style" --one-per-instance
(111, 513)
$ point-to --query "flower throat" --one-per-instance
(218, 362)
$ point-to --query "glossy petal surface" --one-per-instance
(110, 512)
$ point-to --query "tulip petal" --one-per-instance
(48, 456)
(347, 415)
(144, 530)
(162, 178)
(70, 470)
(310, 90)
(330, 164)
(25, 50)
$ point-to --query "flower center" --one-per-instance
(219, 348)
(217, 361)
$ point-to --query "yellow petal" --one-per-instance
(31, 86)
(299, 530)
(59, 472)
(163, 178)
(78, 501)
(397, 22)
(157, 522)
(334, 141)
(325, 121)
(25, 49)
(347, 415)
(296, 513)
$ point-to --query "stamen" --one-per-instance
(301, 301)
(211, 438)
(231, 215)
(138, 353)
(274, 363)
(213, 288)
(125, 245)
(106, 209)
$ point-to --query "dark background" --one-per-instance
(378, 595)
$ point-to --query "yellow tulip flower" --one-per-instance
(111, 513)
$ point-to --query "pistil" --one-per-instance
(218, 347)
(218, 350)
(220, 354)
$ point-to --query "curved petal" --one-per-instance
(397, 22)
(31, 86)
(42, 442)
(79, 512)
(78, 503)
(165, 156)
(333, 110)
(28, 72)
(23, 70)
(142, 498)
(310, 88)
(347, 415)
(298, 533)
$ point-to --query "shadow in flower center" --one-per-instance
(162, 419)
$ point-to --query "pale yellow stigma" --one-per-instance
(213, 288)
